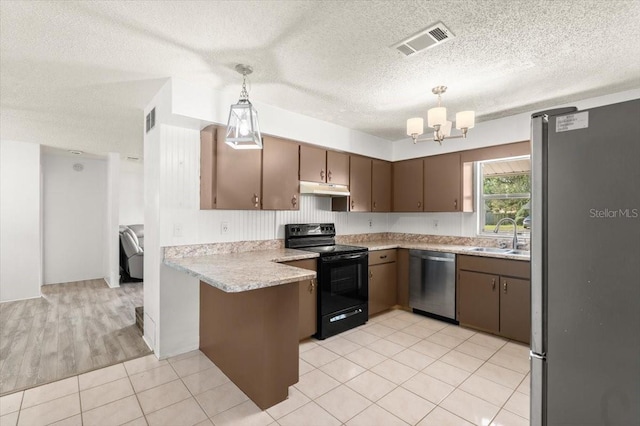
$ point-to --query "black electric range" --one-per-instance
(343, 282)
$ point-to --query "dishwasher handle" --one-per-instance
(440, 259)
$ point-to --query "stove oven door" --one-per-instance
(344, 293)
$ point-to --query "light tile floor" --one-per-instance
(398, 369)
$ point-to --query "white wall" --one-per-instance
(74, 211)
(111, 233)
(131, 192)
(20, 224)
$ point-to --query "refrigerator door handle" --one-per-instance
(536, 355)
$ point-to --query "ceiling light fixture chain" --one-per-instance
(437, 120)
(244, 70)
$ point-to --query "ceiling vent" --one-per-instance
(150, 120)
(425, 39)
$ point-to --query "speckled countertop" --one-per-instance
(249, 270)
(450, 248)
(249, 265)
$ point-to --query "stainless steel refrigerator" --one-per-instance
(585, 266)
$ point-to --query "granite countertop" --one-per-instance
(449, 248)
(249, 270)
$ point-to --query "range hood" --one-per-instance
(330, 189)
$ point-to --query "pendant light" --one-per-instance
(437, 120)
(243, 131)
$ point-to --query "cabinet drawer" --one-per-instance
(490, 265)
(382, 256)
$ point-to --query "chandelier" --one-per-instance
(243, 131)
(437, 120)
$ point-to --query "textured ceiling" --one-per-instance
(92, 66)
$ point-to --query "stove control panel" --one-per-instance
(309, 229)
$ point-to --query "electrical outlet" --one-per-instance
(224, 228)
(177, 230)
(370, 223)
(435, 223)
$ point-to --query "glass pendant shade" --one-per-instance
(415, 126)
(465, 120)
(436, 116)
(243, 131)
(445, 129)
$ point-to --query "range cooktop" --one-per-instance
(334, 249)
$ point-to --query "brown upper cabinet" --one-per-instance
(320, 165)
(313, 164)
(407, 185)
(443, 183)
(337, 168)
(360, 184)
(380, 186)
(280, 184)
(238, 176)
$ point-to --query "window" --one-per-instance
(504, 192)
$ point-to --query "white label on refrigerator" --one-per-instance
(579, 120)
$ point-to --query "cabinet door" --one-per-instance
(337, 168)
(360, 184)
(208, 168)
(308, 300)
(280, 184)
(442, 183)
(313, 164)
(382, 287)
(380, 186)
(407, 185)
(515, 308)
(237, 176)
(479, 300)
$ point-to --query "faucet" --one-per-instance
(515, 230)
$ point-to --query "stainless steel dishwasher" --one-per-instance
(432, 283)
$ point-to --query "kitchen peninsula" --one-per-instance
(249, 301)
(249, 317)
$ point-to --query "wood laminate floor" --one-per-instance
(74, 328)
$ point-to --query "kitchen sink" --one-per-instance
(500, 251)
(520, 252)
(491, 250)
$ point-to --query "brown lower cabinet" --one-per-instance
(479, 300)
(515, 308)
(382, 281)
(308, 300)
(493, 295)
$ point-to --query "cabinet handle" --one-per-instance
(455, 204)
(493, 284)
(256, 200)
(383, 257)
(504, 287)
(419, 204)
(312, 285)
(370, 274)
(329, 176)
(322, 174)
(374, 205)
(353, 204)
(294, 200)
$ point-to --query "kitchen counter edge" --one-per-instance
(251, 270)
